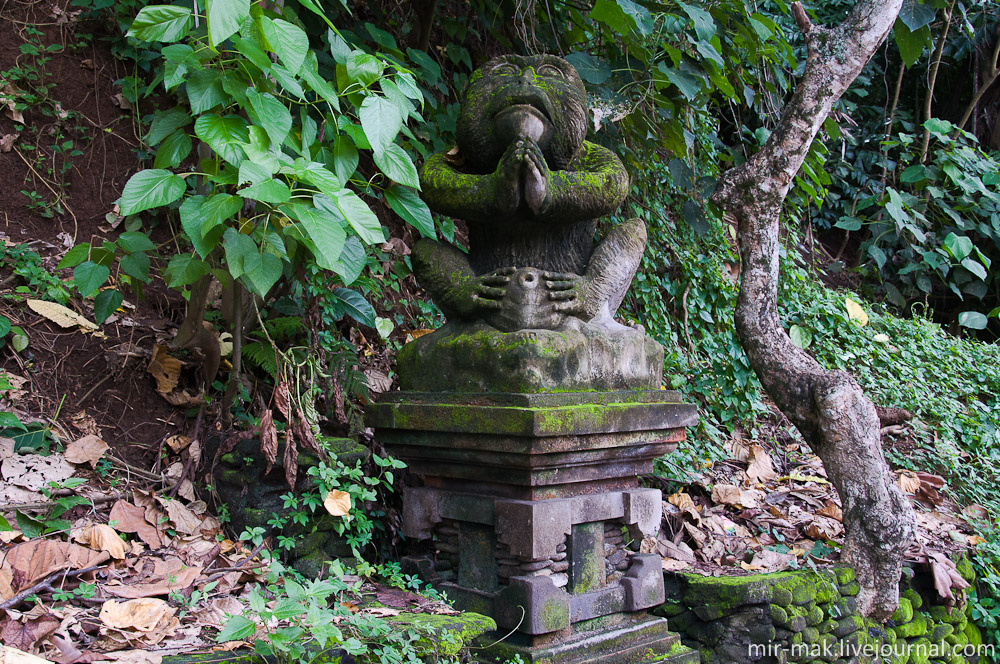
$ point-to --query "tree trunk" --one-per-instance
(828, 407)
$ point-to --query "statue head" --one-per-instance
(538, 96)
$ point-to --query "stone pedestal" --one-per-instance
(534, 507)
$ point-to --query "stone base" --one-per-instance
(637, 639)
(475, 357)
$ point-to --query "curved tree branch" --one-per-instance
(828, 407)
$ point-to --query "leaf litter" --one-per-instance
(755, 513)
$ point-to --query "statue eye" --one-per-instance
(506, 69)
(550, 70)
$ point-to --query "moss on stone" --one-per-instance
(844, 575)
(941, 632)
(443, 635)
(903, 613)
(778, 614)
(965, 569)
(916, 627)
(847, 626)
(814, 616)
(850, 589)
(916, 601)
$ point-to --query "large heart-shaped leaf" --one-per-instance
(149, 189)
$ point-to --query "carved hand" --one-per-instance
(507, 180)
(535, 177)
(570, 292)
(483, 294)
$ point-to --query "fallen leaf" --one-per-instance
(88, 449)
(165, 368)
(142, 615)
(130, 518)
(178, 442)
(102, 537)
(761, 470)
(34, 472)
(855, 311)
(832, 510)
(60, 315)
(908, 481)
(36, 559)
(7, 142)
(167, 576)
(183, 519)
(130, 657)
(8, 97)
(416, 334)
(25, 634)
(10, 655)
(671, 565)
(338, 503)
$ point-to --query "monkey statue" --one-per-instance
(531, 190)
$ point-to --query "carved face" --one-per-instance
(511, 96)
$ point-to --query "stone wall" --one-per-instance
(808, 616)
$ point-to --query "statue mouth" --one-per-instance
(526, 101)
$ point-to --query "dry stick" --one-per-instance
(238, 567)
(938, 53)
(99, 500)
(59, 197)
(46, 584)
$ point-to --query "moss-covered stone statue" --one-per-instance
(531, 306)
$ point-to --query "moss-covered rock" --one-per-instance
(941, 631)
(814, 616)
(844, 575)
(443, 635)
(848, 625)
(903, 613)
(914, 628)
(916, 601)
(850, 589)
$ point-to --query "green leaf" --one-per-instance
(192, 219)
(4, 326)
(136, 265)
(176, 59)
(237, 246)
(205, 91)
(326, 232)
(397, 165)
(173, 151)
(430, 68)
(800, 336)
(89, 276)
(261, 271)
(704, 24)
(224, 18)
(287, 81)
(940, 127)
(75, 256)
(184, 269)
(272, 115)
(131, 241)
(408, 205)
(972, 320)
(29, 526)
(318, 175)
(352, 261)
(165, 123)
(165, 23)
(916, 15)
(911, 43)
(359, 216)
(363, 68)
(310, 74)
(287, 40)
(9, 420)
(914, 173)
(356, 306)
(149, 189)
(623, 16)
(381, 121)
(958, 246)
(384, 326)
(975, 268)
(5, 525)
(591, 69)
(105, 304)
(345, 158)
(224, 134)
(849, 224)
(269, 191)
(19, 342)
(688, 84)
(237, 628)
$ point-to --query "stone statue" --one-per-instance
(531, 190)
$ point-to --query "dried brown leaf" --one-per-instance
(165, 368)
(761, 470)
(60, 315)
(131, 518)
(88, 449)
(142, 615)
(10, 655)
(24, 634)
(178, 443)
(32, 561)
(291, 459)
(281, 400)
(102, 537)
(268, 439)
(832, 510)
(338, 503)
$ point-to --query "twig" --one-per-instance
(59, 197)
(96, 385)
(238, 567)
(46, 584)
(99, 500)
(687, 333)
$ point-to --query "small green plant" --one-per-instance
(50, 520)
(36, 281)
(92, 268)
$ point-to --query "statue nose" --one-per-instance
(528, 75)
